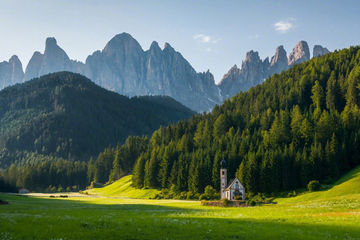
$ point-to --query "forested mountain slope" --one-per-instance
(298, 126)
(66, 115)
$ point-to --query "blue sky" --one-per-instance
(212, 35)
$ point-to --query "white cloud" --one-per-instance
(256, 36)
(208, 50)
(202, 38)
(285, 25)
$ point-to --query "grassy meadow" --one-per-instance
(331, 214)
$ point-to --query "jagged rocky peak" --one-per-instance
(122, 42)
(167, 45)
(279, 62)
(33, 68)
(319, 51)
(154, 47)
(55, 58)
(207, 78)
(299, 54)
(234, 71)
(11, 72)
(252, 56)
(16, 70)
(50, 42)
(279, 57)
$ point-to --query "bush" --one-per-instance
(252, 203)
(238, 198)
(204, 197)
(210, 191)
(192, 196)
(314, 186)
(225, 202)
(182, 195)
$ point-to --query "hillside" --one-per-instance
(346, 185)
(298, 126)
(66, 115)
(122, 188)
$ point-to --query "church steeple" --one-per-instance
(223, 178)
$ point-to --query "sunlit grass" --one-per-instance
(110, 218)
(349, 184)
(323, 215)
(122, 188)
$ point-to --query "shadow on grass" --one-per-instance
(27, 218)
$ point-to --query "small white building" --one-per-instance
(235, 188)
(23, 190)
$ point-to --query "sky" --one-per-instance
(211, 35)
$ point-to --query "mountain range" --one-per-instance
(124, 67)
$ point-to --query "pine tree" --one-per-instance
(138, 173)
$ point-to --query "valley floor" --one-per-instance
(114, 218)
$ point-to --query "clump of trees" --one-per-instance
(314, 186)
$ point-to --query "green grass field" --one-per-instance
(331, 214)
(122, 188)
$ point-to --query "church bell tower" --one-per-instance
(223, 178)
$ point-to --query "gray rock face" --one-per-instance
(279, 61)
(124, 67)
(11, 72)
(319, 51)
(299, 54)
(33, 68)
(53, 60)
(253, 71)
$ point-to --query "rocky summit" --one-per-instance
(254, 71)
(299, 54)
(319, 51)
(124, 67)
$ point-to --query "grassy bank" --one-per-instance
(122, 188)
(108, 218)
(330, 214)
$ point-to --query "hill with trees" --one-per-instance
(66, 116)
(300, 125)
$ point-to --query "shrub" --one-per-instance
(183, 195)
(174, 190)
(192, 196)
(204, 197)
(225, 202)
(238, 198)
(252, 203)
(210, 192)
(314, 186)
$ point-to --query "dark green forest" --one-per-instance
(298, 126)
(61, 120)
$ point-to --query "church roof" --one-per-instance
(233, 182)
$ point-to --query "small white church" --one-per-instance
(235, 188)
